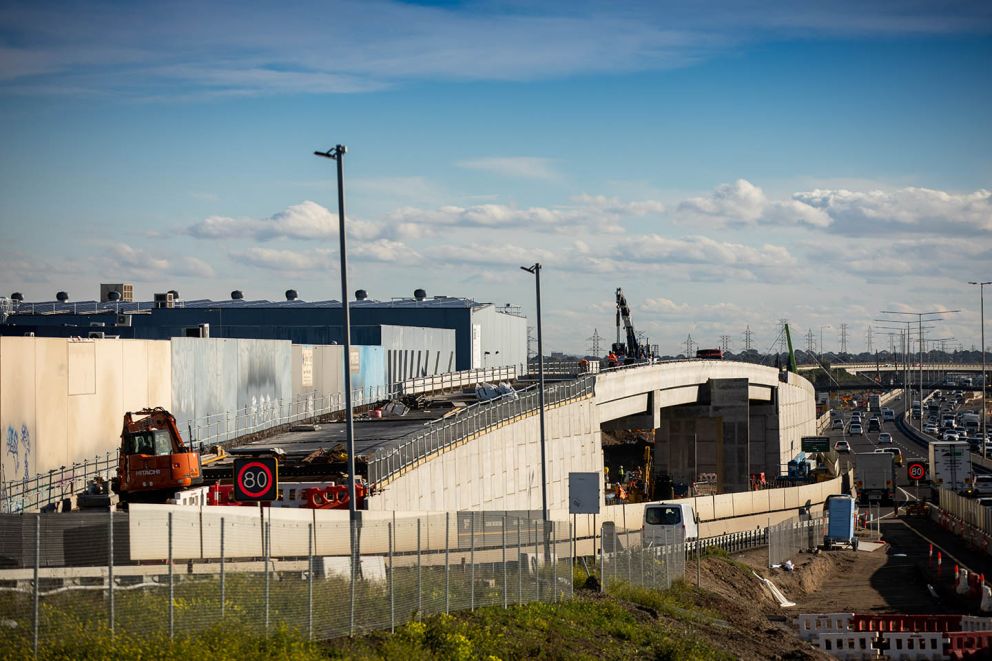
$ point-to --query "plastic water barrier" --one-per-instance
(969, 644)
(913, 646)
(849, 644)
(815, 623)
(904, 623)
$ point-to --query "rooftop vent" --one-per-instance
(237, 295)
(164, 300)
(114, 296)
(62, 296)
(419, 294)
(175, 294)
(17, 296)
(291, 295)
(361, 295)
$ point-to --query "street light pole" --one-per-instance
(821, 341)
(536, 271)
(337, 154)
(981, 298)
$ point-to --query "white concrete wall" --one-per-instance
(197, 529)
(63, 400)
(500, 470)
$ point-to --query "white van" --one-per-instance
(668, 523)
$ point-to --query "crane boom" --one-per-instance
(626, 335)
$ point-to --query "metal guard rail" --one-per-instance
(479, 417)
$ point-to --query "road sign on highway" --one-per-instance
(815, 444)
(256, 479)
(916, 470)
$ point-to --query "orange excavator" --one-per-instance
(154, 462)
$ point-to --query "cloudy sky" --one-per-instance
(727, 166)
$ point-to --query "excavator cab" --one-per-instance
(154, 461)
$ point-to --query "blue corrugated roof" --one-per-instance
(84, 307)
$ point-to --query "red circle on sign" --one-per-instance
(917, 471)
(268, 474)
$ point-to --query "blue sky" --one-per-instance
(727, 167)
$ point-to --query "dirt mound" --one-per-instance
(746, 620)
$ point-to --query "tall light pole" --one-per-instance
(821, 341)
(981, 298)
(536, 271)
(337, 153)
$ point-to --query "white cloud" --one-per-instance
(143, 265)
(662, 306)
(655, 248)
(522, 167)
(504, 255)
(904, 210)
(596, 213)
(743, 203)
(320, 259)
(307, 220)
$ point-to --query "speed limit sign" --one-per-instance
(256, 479)
(916, 471)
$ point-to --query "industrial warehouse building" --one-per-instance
(420, 335)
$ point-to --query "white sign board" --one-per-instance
(307, 367)
(583, 493)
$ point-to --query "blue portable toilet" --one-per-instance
(842, 512)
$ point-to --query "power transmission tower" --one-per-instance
(810, 342)
(596, 337)
(531, 341)
(843, 338)
(725, 343)
(748, 337)
(869, 339)
(689, 344)
(783, 345)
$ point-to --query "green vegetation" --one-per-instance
(629, 623)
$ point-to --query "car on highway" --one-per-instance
(855, 429)
(950, 436)
(982, 485)
(842, 447)
(874, 424)
(888, 415)
(931, 429)
(885, 438)
(895, 452)
(838, 423)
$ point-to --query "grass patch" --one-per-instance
(622, 625)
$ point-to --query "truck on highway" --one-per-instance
(874, 403)
(950, 466)
(875, 478)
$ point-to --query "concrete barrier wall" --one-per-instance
(500, 469)
(196, 530)
(62, 400)
(213, 376)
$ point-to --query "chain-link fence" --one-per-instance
(473, 419)
(182, 573)
(788, 538)
(63, 575)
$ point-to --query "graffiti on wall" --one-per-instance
(18, 447)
